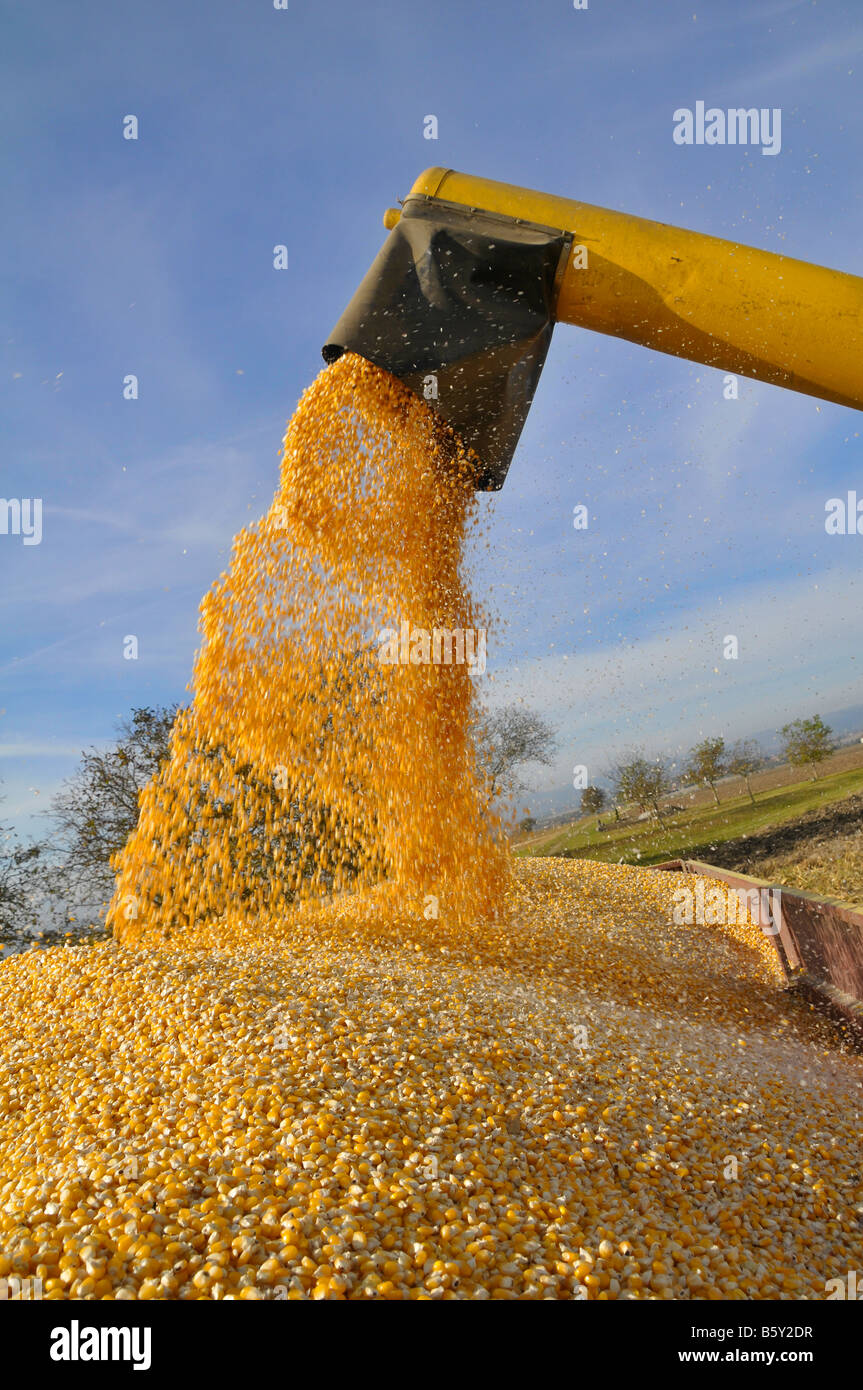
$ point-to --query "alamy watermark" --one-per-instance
(737, 126)
(417, 646)
(14, 1289)
(723, 907)
(77, 1343)
(22, 516)
(849, 1287)
(844, 516)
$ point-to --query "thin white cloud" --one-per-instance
(810, 59)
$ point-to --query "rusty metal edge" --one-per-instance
(793, 968)
(697, 866)
(786, 952)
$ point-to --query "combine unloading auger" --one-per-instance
(461, 300)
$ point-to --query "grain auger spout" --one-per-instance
(461, 300)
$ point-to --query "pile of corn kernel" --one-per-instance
(585, 1100)
(339, 1048)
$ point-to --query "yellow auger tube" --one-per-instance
(729, 306)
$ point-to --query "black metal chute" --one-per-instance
(459, 305)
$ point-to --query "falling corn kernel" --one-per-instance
(304, 764)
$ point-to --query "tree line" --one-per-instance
(638, 780)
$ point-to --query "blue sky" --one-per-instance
(259, 127)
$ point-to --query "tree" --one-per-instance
(611, 774)
(592, 800)
(96, 810)
(807, 742)
(637, 778)
(18, 863)
(707, 764)
(745, 758)
(506, 739)
(527, 824)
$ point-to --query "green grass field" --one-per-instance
(694, 832)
